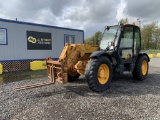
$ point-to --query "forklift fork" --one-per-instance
(52, 81)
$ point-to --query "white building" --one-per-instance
(22, 42)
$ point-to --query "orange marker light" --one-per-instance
(112, 43)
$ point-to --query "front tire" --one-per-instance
(140, 71)
(98, 74)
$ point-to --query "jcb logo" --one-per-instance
(32, 39)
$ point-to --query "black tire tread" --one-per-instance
(91, 74)
(137, 72)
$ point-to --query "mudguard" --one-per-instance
(100, 53)
(143, 53)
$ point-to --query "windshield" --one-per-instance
(110, 34)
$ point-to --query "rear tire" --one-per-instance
(98, 74)
(140, 71)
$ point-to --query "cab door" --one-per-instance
(126, 44)
(137, 42)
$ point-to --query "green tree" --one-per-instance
(95, 39)
(150, 35)
(156, 36)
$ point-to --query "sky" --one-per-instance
(88, 15)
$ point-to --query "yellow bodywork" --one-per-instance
(72, 60)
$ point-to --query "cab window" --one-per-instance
(127, 38)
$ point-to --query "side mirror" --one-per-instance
(108, 28)
(111, 45)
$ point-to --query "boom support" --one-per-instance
(72, 60)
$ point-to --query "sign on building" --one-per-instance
(39, 40)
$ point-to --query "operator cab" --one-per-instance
(124, 39)
(124, 42)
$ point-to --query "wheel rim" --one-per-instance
(103, 74)
(144, 67)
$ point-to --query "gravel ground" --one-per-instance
(124, 99)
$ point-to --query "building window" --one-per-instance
(3, 36)
(69, 39)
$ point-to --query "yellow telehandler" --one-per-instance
(119, 51)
